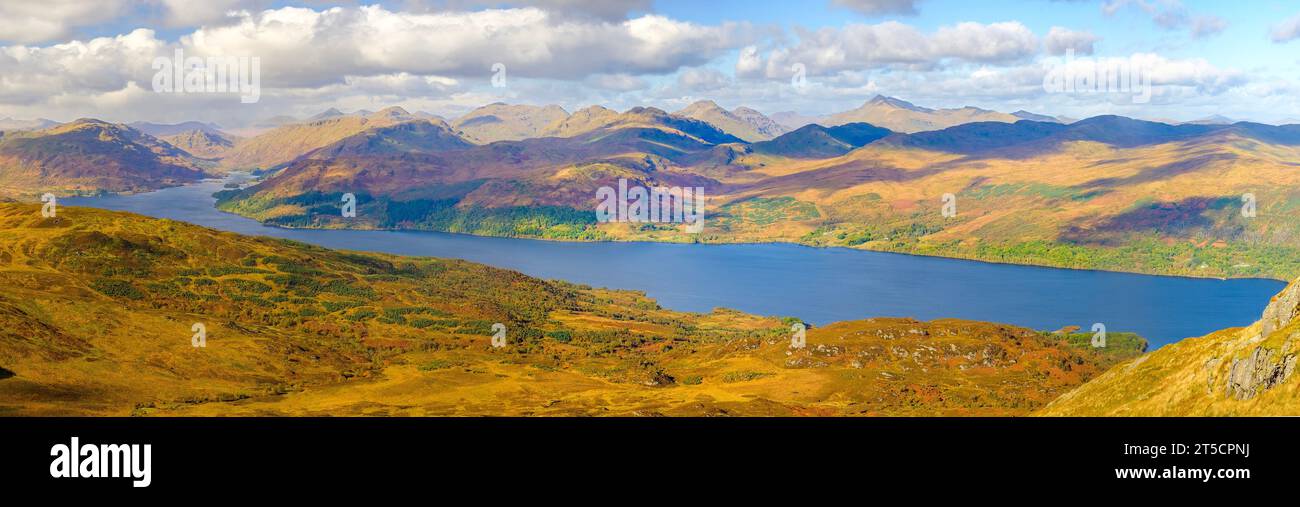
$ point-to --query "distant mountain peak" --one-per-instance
(392, 112)
(328, 113)
(594, 108)
(742, 122)
(701, 105)
(881, 100)
(1026, 115)
(1216, 119)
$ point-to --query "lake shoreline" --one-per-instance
(818, 284)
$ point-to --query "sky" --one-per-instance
(68, 59)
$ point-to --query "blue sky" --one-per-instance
(71, 58)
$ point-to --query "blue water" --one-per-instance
(819, 285)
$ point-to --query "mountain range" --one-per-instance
(1076, 195)
(1106, 192)
(902, 116)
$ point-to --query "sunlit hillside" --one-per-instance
(1246, 371)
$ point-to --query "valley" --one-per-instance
(100, 305)
(1108, 192)
(1105, 193)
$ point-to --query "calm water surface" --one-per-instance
(819, 285)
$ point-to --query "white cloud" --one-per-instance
(1195, 74)
(99, 65)
(749, 63)
(985, 43)
(861, 46)
(1059, 40)
(328, 55)
(440, 61)
(303, 47)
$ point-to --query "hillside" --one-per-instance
(413, 136)
(97, 314)
(288, 142)
(90, 156)
(1246, 371)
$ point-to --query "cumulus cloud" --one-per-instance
(749, 63)
(1059, 40)
(862, 46)
(304, 47)
(985, 43)
(99, 65)
(879, 7)
(1196, 74)
(308, 54)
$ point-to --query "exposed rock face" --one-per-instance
(1281, 310)
(1268, 365)
(1262, 369)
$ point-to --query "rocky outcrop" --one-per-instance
(1268, 364)
(1263, 369)
(1281, 310)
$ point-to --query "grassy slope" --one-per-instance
(96, 310)
(1246, 371)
